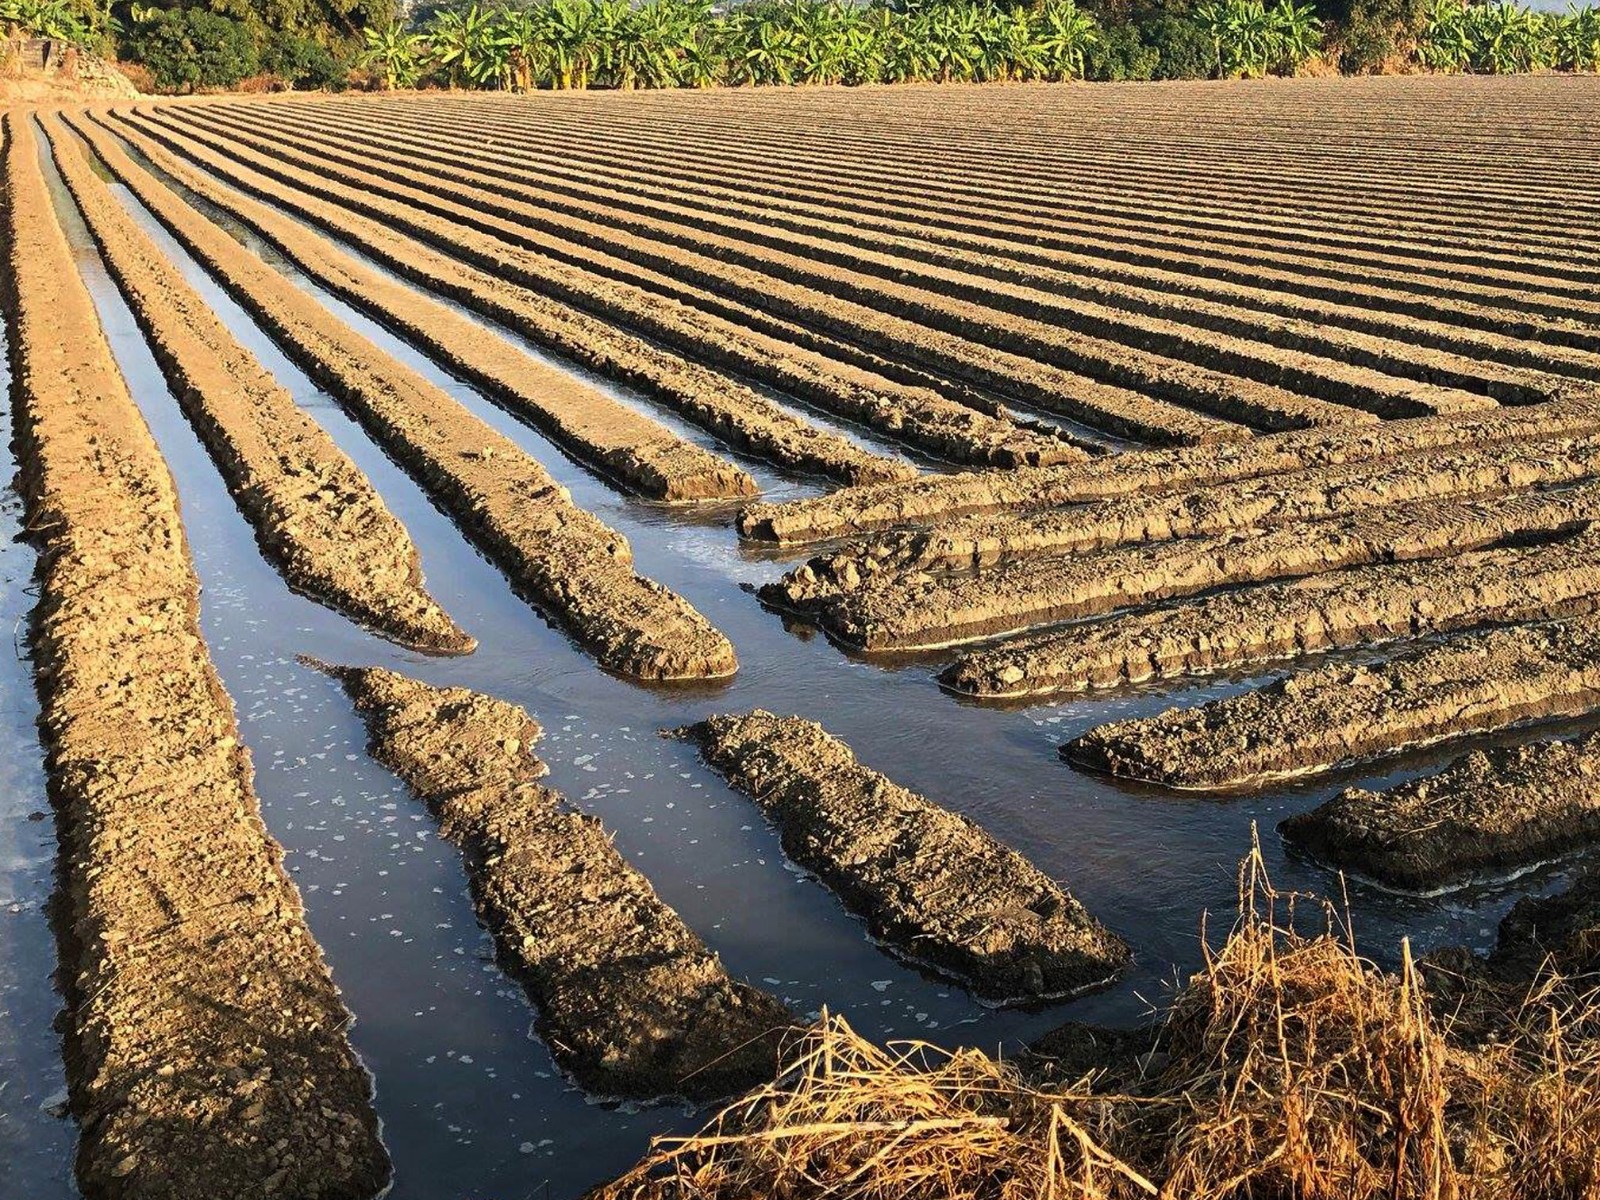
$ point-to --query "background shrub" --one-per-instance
(190, 48)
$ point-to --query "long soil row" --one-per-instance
(918, 611)
(1080, 334)
(315, 514)
(922, 501)
(1527, 277)
(1235, 629)
(513, 249)
(1131, 314)
(576, 568)
(1488, 814)
(932, 886)
(976, 542)
(1336, 715)
(734, 412)
(1107, 245)
(205, 1040)
(630, 1001)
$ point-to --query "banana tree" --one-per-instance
(394, 55)
(1064, 34)
(1576, 39)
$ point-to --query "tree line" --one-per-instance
(523, 45)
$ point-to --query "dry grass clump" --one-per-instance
(1288, 1067)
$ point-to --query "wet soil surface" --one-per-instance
(472, 1103)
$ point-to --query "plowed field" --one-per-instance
(1010, 495)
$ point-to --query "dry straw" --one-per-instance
(1288, 1067)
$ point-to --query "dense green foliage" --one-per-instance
(680, 43)
(194, 48)
(1503, 38)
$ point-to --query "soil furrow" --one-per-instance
(1399, 344)
(1024, 173)
(643, 454)
(1357, 607)
(631, 1002)
(1357, 370)
(923, 501)
(797, 279)
(917, 416)
(972, 543)
(1332, 716)
(1508, 206)
(844, 196)
(315, 514)
(1047, 193)
(204, 1037)
(734, 412)
(933, 887)
(575, 568)
(915, 610)
(1489, 814)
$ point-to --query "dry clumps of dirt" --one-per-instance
(1289, 1066)
(936, 889)
(631, 1002)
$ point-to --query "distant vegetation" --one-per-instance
(521, 45)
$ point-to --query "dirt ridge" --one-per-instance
(932, 886)
(631, 1002)
(1361, 606)
(315, 513)
(576, 569)
(916, 610)
(870, 507)
(1335, 715)
(1489, 813)
(206, 1051)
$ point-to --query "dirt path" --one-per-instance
(1331, 716)
(1488, 814)
(315, 514)
(914, 610)
(1357, 607)
(630, 1001)
(205, 1045)
(933, 887)
(972, 543)
(575, 568)
(513, 249)
(863, 509)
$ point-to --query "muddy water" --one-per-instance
(471, 1104)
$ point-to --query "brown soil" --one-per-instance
(1361, 606)
(736, 413)
(1488, 814)
(643, 454)
(1403, 303)
(915, 610)
(630, 1001)
(205, 1046)
(513, 249)
(934, 888)
(977, 542)
(565, 166)
(878, 506)
(753, 263)
(575, 567)
(315, 514)
(1331, 716)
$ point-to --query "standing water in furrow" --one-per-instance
(204, 1042)
(314, 511)
(577, 569)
